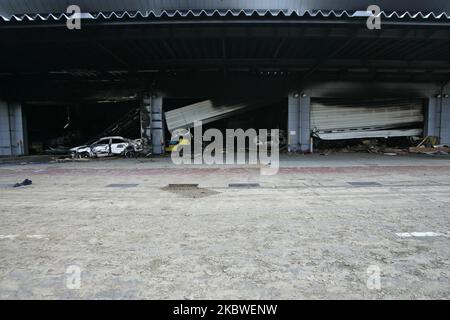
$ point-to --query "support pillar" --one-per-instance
(299, 110)
(293, 124)
(146, 125)
(445, 122)
(433, 117)
(438, 119)
(152, 126)
(12, 133)
(157, 125)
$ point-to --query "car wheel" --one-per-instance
(129, 154)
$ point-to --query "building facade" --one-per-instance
(321, 69)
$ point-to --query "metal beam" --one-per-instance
(327, 57)
(51, 35)
(112, 54)
(233, 21)
(279, 46)
(306, 65)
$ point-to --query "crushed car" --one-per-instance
(109, 146)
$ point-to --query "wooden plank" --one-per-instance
(428, 150)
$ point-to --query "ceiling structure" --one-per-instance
(137, 44)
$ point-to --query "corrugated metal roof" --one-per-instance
(224, 13)
(54, 10)
(11, 7)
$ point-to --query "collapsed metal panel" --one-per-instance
(206, 111)
(338, 119)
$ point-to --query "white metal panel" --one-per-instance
(362, 134)
(333, 119)
(206, 111)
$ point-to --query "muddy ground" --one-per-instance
(309, 232)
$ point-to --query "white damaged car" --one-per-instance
(109, 146)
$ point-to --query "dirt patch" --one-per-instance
(189, 190)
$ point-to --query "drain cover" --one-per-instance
(243, 185)
(124, 185)
(182, 186)
(365, 184)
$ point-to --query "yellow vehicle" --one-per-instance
(174, 144)
(180, 137)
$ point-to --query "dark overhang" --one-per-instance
(118, 49)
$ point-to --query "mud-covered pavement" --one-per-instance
(308, 232)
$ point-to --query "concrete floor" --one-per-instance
(306, 233)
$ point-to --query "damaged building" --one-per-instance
(313, 69)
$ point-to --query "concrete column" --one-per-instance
(146, 125)
(445, 122)
(293, 123)
(12, 133)
(299, 110)
(433, 117)
(157, 125)
(305, 123)
(152, 126)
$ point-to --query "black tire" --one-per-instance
(130, 154)
(82, 155)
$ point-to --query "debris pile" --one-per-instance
(430, 145)
(386, 146)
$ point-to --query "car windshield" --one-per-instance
(100, 142)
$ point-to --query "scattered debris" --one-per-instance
(59, 150)
(390, 147)
(433, 150)
(396, 151)
(25, 182)
(428, 141)
(386, 146)
(430, 145)
(62, 160)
